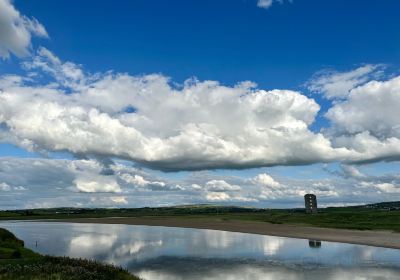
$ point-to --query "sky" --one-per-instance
(242, 102)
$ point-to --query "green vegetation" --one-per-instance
(381, 216)
(19, 263)
(344, 218)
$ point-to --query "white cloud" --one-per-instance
(98, 183)
(265, 180)
(381, 187)
(67, 74)
(218, 190)
(197, 126)
(269, 188)
(5, 187)
(89, 177)
(388, 188)
(368, 121)
(106, 201)
(16, 31)
(268, 193)
(119, 199)
(371, 108)
(386, 183)
(218, 196)
(52, 183)
(139, 181)
(266, 4)
(352, 171)
(333, 84)
(196, 187)
(221, 186)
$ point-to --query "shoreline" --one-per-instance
(384, 239)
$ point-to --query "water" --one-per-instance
(176, 253)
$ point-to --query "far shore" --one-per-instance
(385, 239)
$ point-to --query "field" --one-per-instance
(19, 263)
(381, 216)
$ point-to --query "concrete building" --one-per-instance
(310, 201)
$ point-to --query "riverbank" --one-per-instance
(18, 262)
(377, 217)
(387, 239)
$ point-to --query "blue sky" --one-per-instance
(228, 41)
(80, 67)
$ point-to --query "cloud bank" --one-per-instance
(196, 125)
(82, 183)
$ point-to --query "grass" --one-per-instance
(20, 263)
(350, 219)
(360, 217)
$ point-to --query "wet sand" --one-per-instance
(385, 239)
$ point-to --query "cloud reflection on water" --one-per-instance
(177, 253)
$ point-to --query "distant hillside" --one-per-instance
(66, 212)
(393, 205)
(378, 216)
(195, 209)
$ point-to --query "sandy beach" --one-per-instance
(385, 239)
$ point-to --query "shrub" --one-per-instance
(16, 254)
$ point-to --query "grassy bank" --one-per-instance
(385, 216)
(20, 263)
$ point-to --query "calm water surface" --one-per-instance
(177, 253)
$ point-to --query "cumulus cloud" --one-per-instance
(97, 184)
(271, 189)
(53, 183)
(371, 108)
(388, 187)
(368, 122)
(221, 186)
(6, 187)
(16, 31)
(265, 180)
(89, 177)
(223, 197)
(218, 196)
(199, 125)
(139, 181)
(79, 183)
(387, 183)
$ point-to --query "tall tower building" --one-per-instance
(310, 201)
